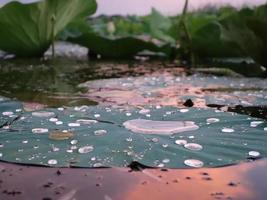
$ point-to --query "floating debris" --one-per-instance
(86, 149)
(60, 135)
(194, 163)
(159, 127)
(193, 146)
(40, 130)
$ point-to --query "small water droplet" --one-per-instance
(212, 120)
(166, 160)
(25, 141)
(43, 114)
(265, 129)
(73, 142)
(86, 121)
(194, 163)
(53, 119)
(129, 139)
(52, 162)
(86, 149)
(60, 109)
(184, 110)
(128, 114)
(155, 140)
(1, 155)
(255, 123)
(74, 124)
(161, 165)
(40, 130)
(180, 142)
(165, 145)
(193, 146)
(228, 130)
(100, 132)
(144, 111)
(97, 165)
(254, 154)
(7, 113)
(59, 123)
(97, 115)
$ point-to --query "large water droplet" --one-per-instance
(86, 149)
(39, 130)
(194, 163)
(193, 146)
(159, 127)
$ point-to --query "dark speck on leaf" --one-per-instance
(188, 103)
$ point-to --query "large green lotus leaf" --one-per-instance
(27, 29)
(247, 29)
(117, 146)
(112, 47)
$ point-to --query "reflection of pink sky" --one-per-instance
(166, 6)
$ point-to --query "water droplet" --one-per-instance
(193, 146)
(158, 107)
(97, 165)
(7, 113)
(61, 109)
(184, 110)
(144, 111)
(39, 130)
(129, 139)
(255, 123)
(165, 145)
(1, 145)
(86, 149)
(1, 155)
(53, 119)
(43, 114)
(265, 129)
(73, 142)
(93, 159)
(59, 123)
(96, 115)
(100, 132)
(86, 121)
(194, 163)
(166, 160)
(212, 120)
(161, 165)
(155, 140)
(52, 162)
(228, 130)
(25, 141)
(159, 127)
(128, 114)
(254, 154)
(74, 124)
(180, 142)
